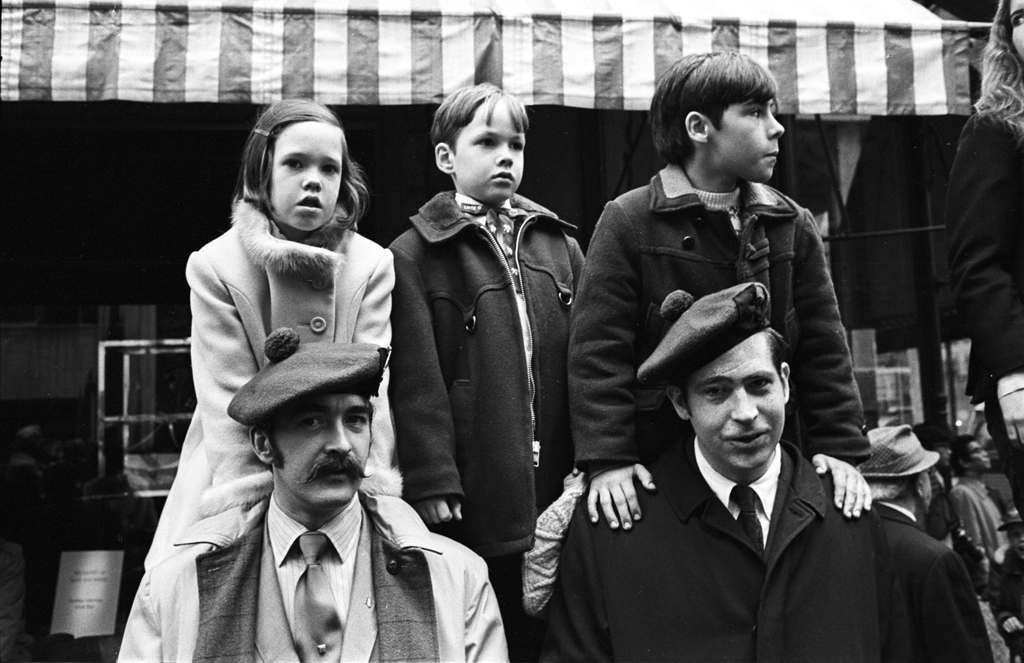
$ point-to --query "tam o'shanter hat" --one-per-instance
(704, 329)
(297, 370)
(896, 452)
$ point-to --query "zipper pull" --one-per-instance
(536, 453)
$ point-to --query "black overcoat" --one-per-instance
(685, 585)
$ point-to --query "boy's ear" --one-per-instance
(697, 126)
(444, 157)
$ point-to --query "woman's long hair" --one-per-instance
(1002, 77)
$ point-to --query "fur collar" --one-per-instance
(314, 258)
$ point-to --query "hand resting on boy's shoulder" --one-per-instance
(612, 489)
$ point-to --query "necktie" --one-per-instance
(316, 624)
(501, 227)
(746, 499)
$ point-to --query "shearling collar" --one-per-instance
(441, 218)
(757, 198)
(314, 258)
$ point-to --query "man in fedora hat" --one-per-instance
(328, 569)
(741, 556)
(1009, 588)
(945, 620)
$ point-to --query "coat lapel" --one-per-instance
(799, 500)
(273, 639)
(361, 624)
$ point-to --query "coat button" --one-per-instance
(689, 242)
(318, 325)
(393, 567)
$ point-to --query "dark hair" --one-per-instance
(254, 176)
(960, 453)
(707, 83)
(458, 108)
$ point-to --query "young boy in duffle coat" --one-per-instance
(705, 222)
(485, 280)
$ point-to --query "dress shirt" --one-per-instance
(896, 507)
(764, 487)
(342, 531)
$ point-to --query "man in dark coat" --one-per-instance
(945, 619)
(741, 556)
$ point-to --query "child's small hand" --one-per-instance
(1012, 625)
(852, 491)
(436, 510)
(613, 490)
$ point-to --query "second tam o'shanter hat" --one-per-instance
(704, 329)
(896, 452)
(297, 370)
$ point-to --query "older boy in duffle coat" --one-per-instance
(705, 222)
(484, 284)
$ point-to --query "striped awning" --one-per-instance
(868, 57)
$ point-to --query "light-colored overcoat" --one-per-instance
(219, 599)
(335, 286)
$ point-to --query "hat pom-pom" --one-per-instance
(676, 302)
(281, 344)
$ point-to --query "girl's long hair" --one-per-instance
(253, 185)
(1002, 77)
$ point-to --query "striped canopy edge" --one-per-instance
(587, 54)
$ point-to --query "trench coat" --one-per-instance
(219, 599)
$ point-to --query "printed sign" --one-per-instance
(87, 587)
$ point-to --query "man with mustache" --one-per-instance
(329, 568)
(741, 556)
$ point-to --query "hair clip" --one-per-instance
(262, 132)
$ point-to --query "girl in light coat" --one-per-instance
(291, 258)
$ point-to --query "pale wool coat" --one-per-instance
(333, 287)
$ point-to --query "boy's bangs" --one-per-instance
(516, 111)
(748, 81)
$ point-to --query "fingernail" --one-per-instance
(613, 525)
(627, 526)
(636, 516)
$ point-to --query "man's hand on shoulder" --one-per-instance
(437, 510)
(852, 493)
(612, 491)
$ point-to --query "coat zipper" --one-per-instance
(535, 443)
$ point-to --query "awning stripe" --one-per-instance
(234, 84)
(782, 63)
(900, 79)
(104, 46)
(547, 53)
(584, 53)
(172, 45)
(842, 67)
(36, 65)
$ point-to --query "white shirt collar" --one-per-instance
(902, 509)
(342, 529)
(462, 198)
(764, 486)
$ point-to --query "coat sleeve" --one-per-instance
(602, 345)
(951, 616)
(142, 639)
(485, 632)
(984, 219)
(419, 397)
(373, 325)
(828, 399)
(577, 622)
(222, 361)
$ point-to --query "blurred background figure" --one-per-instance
(940, 520)
(1008, 587)
(945, 617)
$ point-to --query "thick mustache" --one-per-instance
(335, 462)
